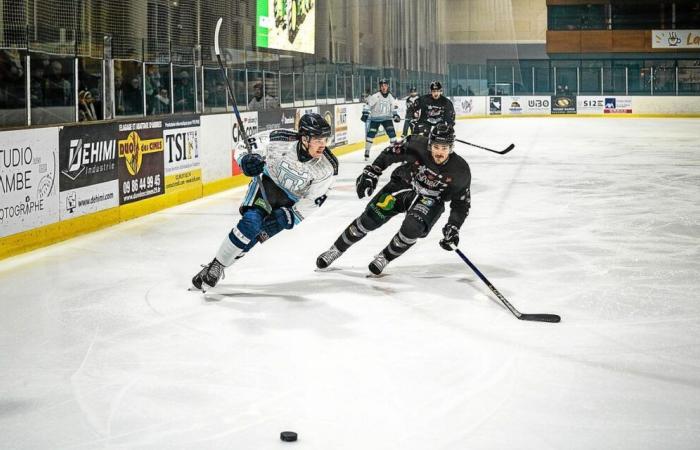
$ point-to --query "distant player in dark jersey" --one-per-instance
(430, 176)
(434, 108)
(411, 110)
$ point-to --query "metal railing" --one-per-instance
(41, 88)
(578, 77)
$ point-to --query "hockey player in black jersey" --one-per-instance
(430, 176)
(411, 110)
(433, 108)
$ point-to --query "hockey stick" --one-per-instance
(502, 152)
(249, 143)
(533, 317)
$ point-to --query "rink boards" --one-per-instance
(580, 106)
(60, 182)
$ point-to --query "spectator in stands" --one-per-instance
(184, 92)
(259, 102)
(132, 100)
(12, 82)
(86, 106)
(216, 96)
(57, 89)
(153, 86)
(36, 87)
(162, 102)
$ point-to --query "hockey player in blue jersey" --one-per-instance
(380, 109)
(296, 170)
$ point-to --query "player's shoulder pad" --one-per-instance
(417, 141)
(331, 159)
(282, 135)
(460, 161)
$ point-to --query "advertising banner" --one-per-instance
(250, 123)
(327, 112)
(563, 104)
(537, 105)
(618, 105)
(590, 104)
(512, 106)
(182, 162)
(88, 169)
(341, 124)
(464, 106)
(604, 105)
(495, 106)
(277, 118)
(28, 179)
(680, 39)
(141, 161)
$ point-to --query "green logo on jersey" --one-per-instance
(386, 202)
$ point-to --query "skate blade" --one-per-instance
(381, 275)
(327, 269)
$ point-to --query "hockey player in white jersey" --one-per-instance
(380, 109)
(296, 170)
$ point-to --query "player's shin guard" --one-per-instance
(352, 234)
(397, 247)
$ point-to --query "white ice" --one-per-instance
(102, 346)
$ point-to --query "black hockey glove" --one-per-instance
(367, 181)
(397, 118)
(450, 238)
(252, 164)
(365, 116)
(278, 220)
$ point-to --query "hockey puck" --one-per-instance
(288, 436)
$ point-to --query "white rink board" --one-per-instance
(28, 179)
(217, 142)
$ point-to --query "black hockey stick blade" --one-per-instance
(551, 318)
(509, 148)
(501, 152)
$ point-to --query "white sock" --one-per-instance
(228, 252)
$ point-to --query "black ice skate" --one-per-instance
(378, 264)
(209, 276)
(326, 258)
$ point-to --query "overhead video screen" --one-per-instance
(286, 24)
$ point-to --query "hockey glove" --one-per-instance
(450, 238)
(397, 118)
(367, 181)
(278, 220)
(365, 116)
(252, 164)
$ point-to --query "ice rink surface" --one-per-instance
(597, 220)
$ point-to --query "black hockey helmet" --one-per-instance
(412, 89)
(435, 86)
(383, 81)
(312, 124)
(442, 133)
